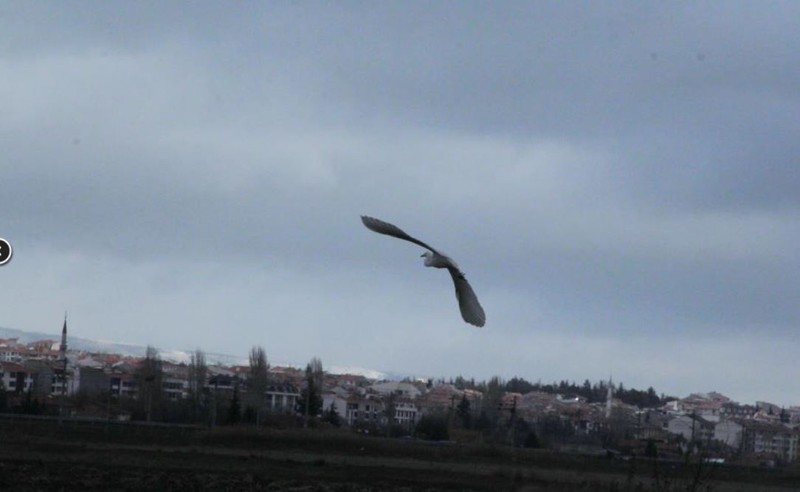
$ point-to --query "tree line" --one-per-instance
(592, 392)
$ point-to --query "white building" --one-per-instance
(11, 350)
(337, 400)
(691, 427)
(729, 433)
(364, 410)
(15, 378)
(399, 388)
(175, 388)
(282, 398)
(406, 413)
(770, 439)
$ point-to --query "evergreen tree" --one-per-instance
(310, 402)
(390, 410)
(332, 416)
(482, 422)
(463, 412)
(235, 408)
(586, 390)
(492, 397)
(433, 427)
(30, 405)
(519, 385)
(650, 450)
(198, 371)
(149, 378)
(3, 397)
(257, 382)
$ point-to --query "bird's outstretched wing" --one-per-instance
(382, 227)
(471, 309)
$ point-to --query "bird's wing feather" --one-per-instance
(382, 227)
(471, 309)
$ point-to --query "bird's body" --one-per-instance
(438, 260)
(471, 309)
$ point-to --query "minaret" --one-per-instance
(63, 350)
(608, 397)
(63, 347)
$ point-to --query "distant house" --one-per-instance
(691, 427)
(705, 405)
(406, 413)
(732, 410)
(345, 380)
(363, 410)
(11, 350)
(43, 350)
(15, 378)
(221, 381)
(86, 360)
(47, 377)
(794, 415)
(335, 399)
(447, 396)
(509, 402)
(122, 384)
(770, 440)
(399, 388)
(767, 415)
(175, 388)
(360, 406)
(285, 374)
(768, 408)
(729, 432)
(651, 424)
(175, 382)
(92, 380)
(282, 398)
(532, 405)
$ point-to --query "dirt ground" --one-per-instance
(290, 463)
(94, 467)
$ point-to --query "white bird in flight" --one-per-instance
(471, 309)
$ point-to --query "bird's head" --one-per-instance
(428, 257)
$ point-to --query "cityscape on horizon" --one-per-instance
(183, 356)
(36, 375)
(47, 377)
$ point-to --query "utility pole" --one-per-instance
(214, 401)
(308, 401)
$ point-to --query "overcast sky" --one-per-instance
(619, 181)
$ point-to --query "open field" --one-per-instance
(96, 457)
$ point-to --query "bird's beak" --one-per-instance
(422, 255)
